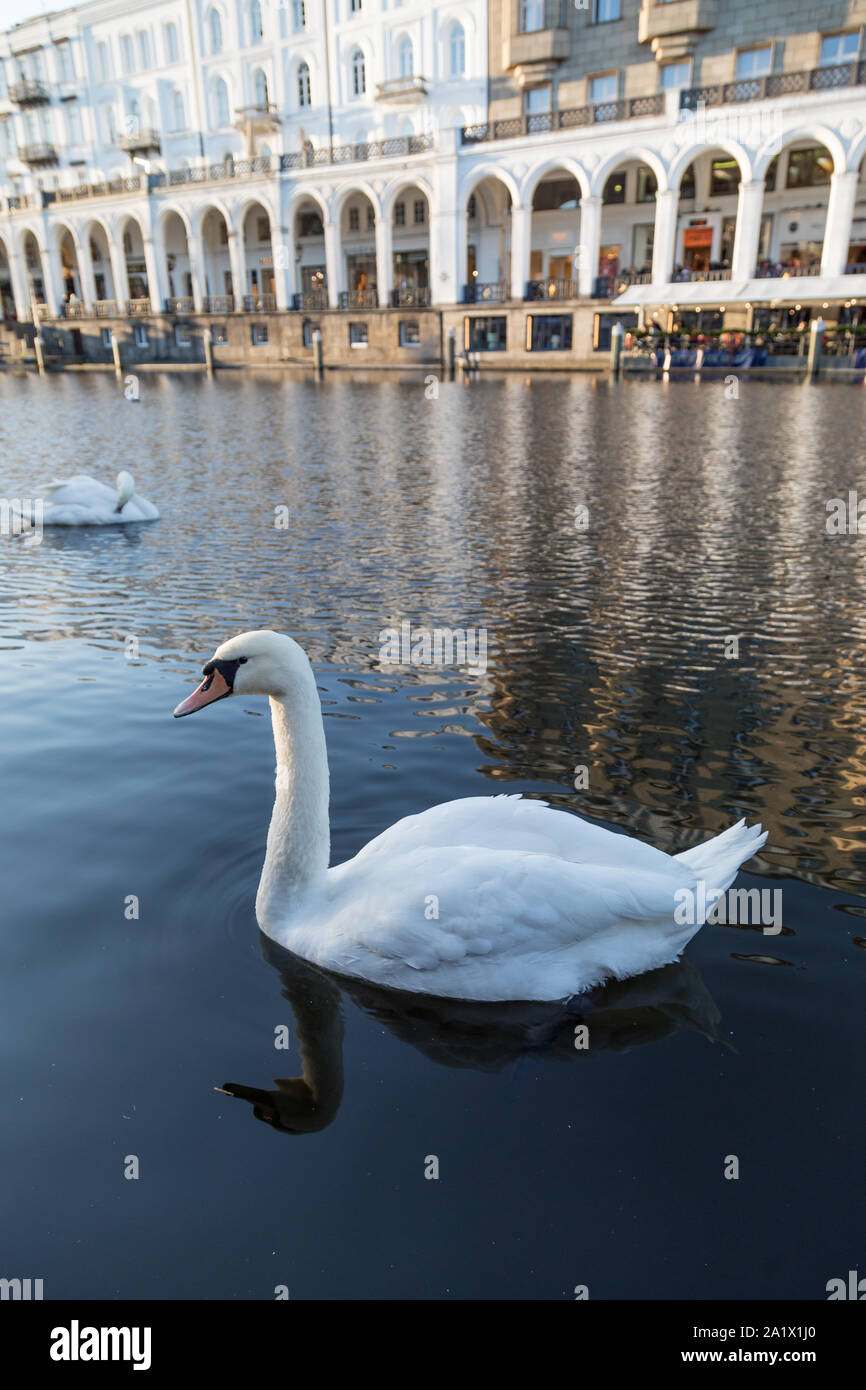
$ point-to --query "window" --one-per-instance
(548, 333)
(219, 333)
(537, 101)
(354, 220)
(605, 88)
(64, 61)
(419, 212)
(614, 189)
(725, 177)
(261, 90)
(299, 15)
(602, 326)
(399, 214)
(304, 95)
(359, 74)
(484, 334)
(409, 335)
(405, 57)
(215, 27)
(141, 335)
(472, 208)
(687, 183)
(181, 335)
(371, 219)
(646, 185)
(354, 6)
(672, 76)
(259, 334)
(179, 112)
(107, 336)
(172, 47)
(839, 48)
(457, 51)
(530, 16)
(809, 168)
(256, 30)
(358, 335)
(127, 61)
(103, 61)
(754, 62)
(144, 50)
(770, 176)
(221, 102)
(73, 124)
(606, 10)
(309, 329)
(110, 125)
(263, 229)
(642, 246)
(310, 224)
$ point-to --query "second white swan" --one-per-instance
(488, 898)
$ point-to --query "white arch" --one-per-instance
(639, 155)
(200, 213)
(692, 152)
(488, 171)
(342, 196)
(393, 191)
(820, 134)
(535, 175)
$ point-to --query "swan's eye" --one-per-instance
(242, 660)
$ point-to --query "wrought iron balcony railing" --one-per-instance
(486, 292)
(28, 92)
(180, 304)
(413, 296)
(259, 303)
(359, 299)
(775, 84)
(551, 289)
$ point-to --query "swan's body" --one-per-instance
(84, 501)
(488, 898)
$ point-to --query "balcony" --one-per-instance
(517, 127)
(359, 299)
(776, 84)
(260, 117)
(310, 299)
(180, 304)
(672, 27)
(551, 289)
(539, 41)
(28, 92)
(412, 297)
(141, 142)
(259, 303)
(402, 91)
(218, 304)
(486, 292)
(137, 307)
(38, 156)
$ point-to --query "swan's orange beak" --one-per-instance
(213, 687)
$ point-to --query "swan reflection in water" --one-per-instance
(463, 1033)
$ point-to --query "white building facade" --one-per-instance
(207, 156)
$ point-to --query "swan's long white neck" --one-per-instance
(299, 842)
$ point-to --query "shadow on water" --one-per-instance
(463, 1033)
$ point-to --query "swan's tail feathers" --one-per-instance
(717, 861)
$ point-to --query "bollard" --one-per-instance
(452, 353)
(317, 353)
(699, 359)
(115, 352)
(208, 351)
(816, 344)
(40, 355)
(617, 334)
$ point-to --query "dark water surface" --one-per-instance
(607, 649)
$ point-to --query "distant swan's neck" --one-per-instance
(299, 842)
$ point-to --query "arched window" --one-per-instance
(405, 57)
(221, 102)
(457, 51)
(261, 89)
(256, 30)
(304, 85)
(179, 112)
(215, 25)
(359, 74)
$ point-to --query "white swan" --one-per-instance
(491, 898)
(83, 501)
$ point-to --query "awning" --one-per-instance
(714, 294)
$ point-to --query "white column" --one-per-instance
(118, 274)
(20, 287)
(85, 273)
(284, 267)
(750, 202)
(237, 261)
(590, 241)
(195, 251)
(521, 227)
(665, 234)
(443, 258)
(837, 228)
(52, 278)
(463, 250)
(154, 260)
(384, 259)
(333, 257)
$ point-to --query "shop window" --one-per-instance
(725, 177)
(809, 168)
(646, 185)
(548, 332)
(614, 189)
(485, 334)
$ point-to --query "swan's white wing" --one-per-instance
(139, 509)
(510, 822)
(509, 924)
(82, 491)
